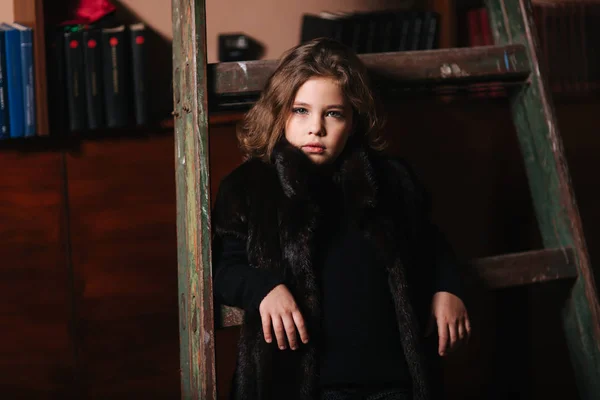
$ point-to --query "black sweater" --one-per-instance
(361, 339)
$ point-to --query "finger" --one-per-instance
(468, 328)
(290, 330)
(443, 338)
(266, 324)
(462, 332)
(299, 321)
(279, 332)
(453, 335)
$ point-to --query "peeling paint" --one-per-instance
(452, 70)
(244, 68)
(457, 71)
(445, 70)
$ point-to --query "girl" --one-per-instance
(327, 245)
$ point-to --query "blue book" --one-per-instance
(4, 132)
(27, 74)
(14, 81)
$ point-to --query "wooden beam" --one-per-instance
(432, 67)
(497, 272)
(551, 190)
(195, 297)
(525, 268)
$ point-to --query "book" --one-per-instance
(138, 71)
(75, 80)
(93, 71)
(16, 109)
(58, 115)
(27, 77)
(4, 123)
(115, 75)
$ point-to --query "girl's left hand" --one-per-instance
(448, 312)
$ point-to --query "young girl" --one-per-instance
(327, 245)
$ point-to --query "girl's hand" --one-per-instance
(454, 328)
(279, 309)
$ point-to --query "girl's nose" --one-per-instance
(316, 127)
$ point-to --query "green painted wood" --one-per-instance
(551, 190)
(196, 329)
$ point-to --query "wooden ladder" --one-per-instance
(513, 61)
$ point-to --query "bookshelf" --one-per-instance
(42, 16)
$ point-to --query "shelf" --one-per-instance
(230, 81)
(498, 272)
(72, 142)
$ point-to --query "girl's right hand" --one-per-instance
(279, 309)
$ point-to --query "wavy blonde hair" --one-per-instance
(264, 124)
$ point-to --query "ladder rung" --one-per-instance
(495, 272)
(524, 268)
(230, 316)
(445, 66)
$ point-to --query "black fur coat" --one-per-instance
(275, 208)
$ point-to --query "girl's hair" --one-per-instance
(264, 124)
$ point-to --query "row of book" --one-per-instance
(569, 34)
(479, 33)
(97, 78)
(17, 81)
(375, 31)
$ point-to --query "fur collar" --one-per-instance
(352, 174)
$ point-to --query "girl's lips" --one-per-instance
(314, 149)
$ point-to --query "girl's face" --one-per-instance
(320, 121)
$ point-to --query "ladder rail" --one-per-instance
(551, 190)
(195, 295)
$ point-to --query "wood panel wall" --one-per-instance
(36, 354)
(88, 256)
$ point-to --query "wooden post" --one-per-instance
(196, 318)
(552, 193)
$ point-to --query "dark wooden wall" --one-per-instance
(89, 271)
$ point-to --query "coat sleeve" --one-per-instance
(446, 273)
(235, 282)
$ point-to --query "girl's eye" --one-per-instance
(299, 110)
(335, 114)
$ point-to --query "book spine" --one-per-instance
(4, 123)
(416, 31)
(16, 112)
(75, 81)
(406, 22)
(430, 31)
(140, 83)
(57, 94)
(116, 99)
(92, 60)
(26, 38)
(474, 28)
